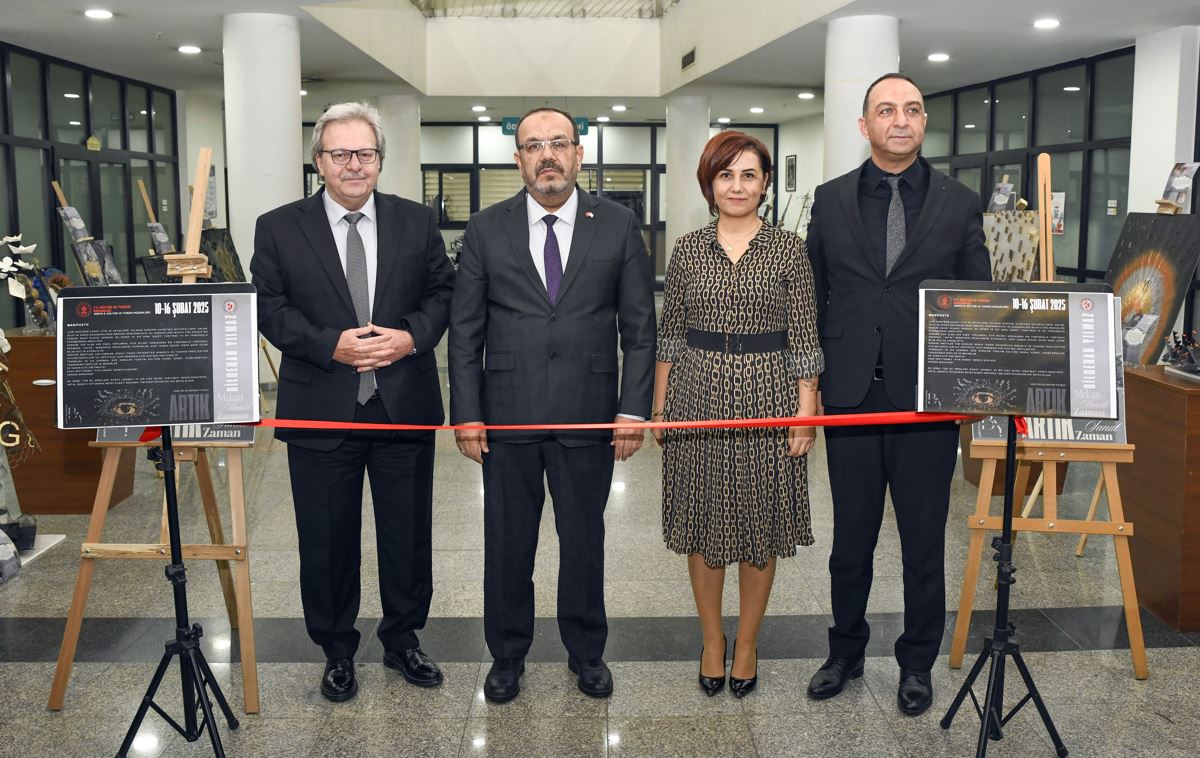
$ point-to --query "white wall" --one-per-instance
(803, 138)
(201, 124)
(552, 57)
(391, 32)
(1164, 110)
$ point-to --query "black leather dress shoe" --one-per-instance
(915, 693)
(595, 680)
(831, 678)
(414, 666)
(503, 681)
(338, 683)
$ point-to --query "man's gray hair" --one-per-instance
(342, 112)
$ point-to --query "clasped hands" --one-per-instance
(369, 347)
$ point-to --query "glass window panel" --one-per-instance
(660, 180)
(498, 184)
(5, 222)
(630, 188)
(114, 193)
(447, 144)
(972, 123)
(67, 105)
(137, 108)
(626, 144)
(27, 95)
(1112, 102)
(1060, 106)
(106, 112)
(33, 190)
(591, 147)
(943, 166)
(3, 100)
(1011, 112)
(429, 181)
(495, 146)
(164, 124)
(587, 180)
(140, 169)
(660, 146)
(166, 179)
(1014, 172)
(972, 177)
(456, 196)
(1066, 172)
(1107, 199)
(937, 127)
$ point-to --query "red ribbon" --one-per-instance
(844, 419)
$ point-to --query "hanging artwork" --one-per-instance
(1150, 270)
(1012, 240)
(217, 244)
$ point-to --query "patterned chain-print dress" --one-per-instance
(732, 495)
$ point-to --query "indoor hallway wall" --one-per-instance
(803, 138)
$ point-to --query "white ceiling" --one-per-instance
(985, 41)
(546, 8)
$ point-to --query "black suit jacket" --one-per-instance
(304, 305)
(860, 310)
(517, 359)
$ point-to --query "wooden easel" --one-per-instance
(1048, 454)
(187, 265)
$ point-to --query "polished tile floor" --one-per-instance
(1067, 610)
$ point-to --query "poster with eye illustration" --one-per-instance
(1024, 349)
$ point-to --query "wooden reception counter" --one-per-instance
(62, 477)
(1161, 493)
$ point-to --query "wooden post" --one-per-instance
(146, 200)
(1045, 204)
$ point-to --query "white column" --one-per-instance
(401, 173)
(262, 119)
(1165, 71)
(687, 131)
(262, 124)
(858, 50)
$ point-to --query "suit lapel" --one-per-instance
(849, 195)
(581, 238)
(516, 224)
(315, 226)
(935, 201)
(389, 231)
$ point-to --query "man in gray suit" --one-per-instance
(548, 282)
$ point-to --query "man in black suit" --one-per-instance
(875, 234)
(547, 283)
(354, 288)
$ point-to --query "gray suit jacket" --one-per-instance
(517, 359)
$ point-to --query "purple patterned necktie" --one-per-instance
(554, 268)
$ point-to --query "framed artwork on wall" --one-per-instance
(789, 174)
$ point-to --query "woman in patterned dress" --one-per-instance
(737, 339)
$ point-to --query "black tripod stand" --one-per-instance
(1003, 642)
(194, 673)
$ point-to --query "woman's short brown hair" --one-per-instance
(722, 150)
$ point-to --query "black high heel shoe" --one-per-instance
(711, 685)
(742, 687)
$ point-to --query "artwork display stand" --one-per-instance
(235, 589)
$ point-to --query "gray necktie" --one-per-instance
(356, 279)
(895, 224)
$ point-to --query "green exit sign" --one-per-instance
(508, 124)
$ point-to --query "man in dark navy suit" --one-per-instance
(875, 234)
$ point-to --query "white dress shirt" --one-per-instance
(367, 229)
(564, 230)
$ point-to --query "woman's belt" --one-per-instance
(723, 342)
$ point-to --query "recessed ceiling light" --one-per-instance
(303, 92)
(1070, 89)
(602, 119)
(723, 120)
(968, 126)
(1046, 23)
(806, 95)
(986, 102)
(189, 49)
(619, 108)
(142, 112)
(70, 95)
(484, 118)
(98, 14)
(938, 57)
(479, 108)
(757, 109)
(74, 123)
